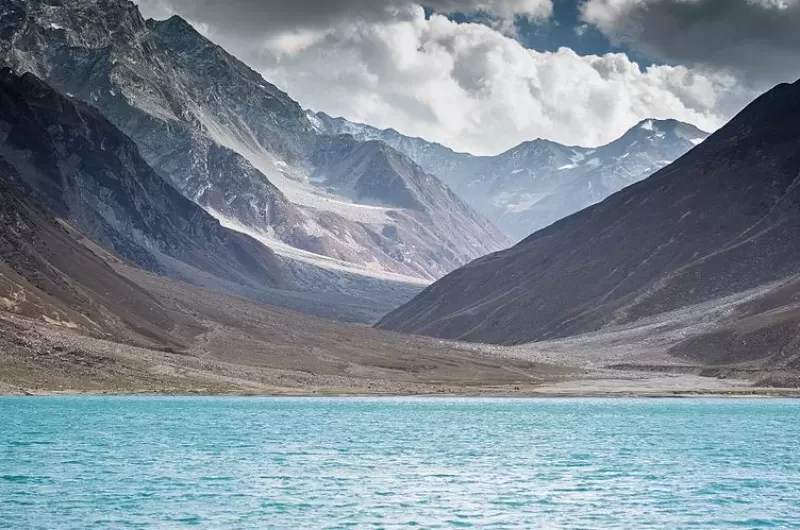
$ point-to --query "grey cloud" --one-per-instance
(260, 17)
(757, 40)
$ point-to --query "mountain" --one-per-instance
(374, 173)
(538, 182)
(48, 274)
(717, 225)
(76, 318)
(230, 141)
(90, 174)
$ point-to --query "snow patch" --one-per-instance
(577, 156)
(593, 163)
(60, 323)
(323, 262)
(316, 123)
(292, 181)
(517, 202)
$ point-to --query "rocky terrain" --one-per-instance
(717, 228)
(163, 210)
(225, 345)
(235, 144)
(75, 318)
(538, 182)
(88, 173)
(217, 344)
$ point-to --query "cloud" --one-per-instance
(266, 16)
(756, 40)
(466, 85)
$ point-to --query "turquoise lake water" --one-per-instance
(230, 463)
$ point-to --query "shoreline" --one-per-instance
(760, 393)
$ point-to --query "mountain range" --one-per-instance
(538, 182)
(715, 229)
(75, 317)
(90, 174)
(150, 183)
(238, 146)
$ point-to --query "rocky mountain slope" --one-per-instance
(719, 223)
(76, 318)
(90, 174)
(538, 182)
(227, 139)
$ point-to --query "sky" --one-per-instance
(482, 76)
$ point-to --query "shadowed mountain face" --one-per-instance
(49, 271)
(90, 174)
(718, 222)
(231, 142)
(538, 182)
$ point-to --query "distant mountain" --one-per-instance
(538, 182)
(720, 222)
(231, 142)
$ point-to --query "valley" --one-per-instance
(174, 223)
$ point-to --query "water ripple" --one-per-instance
(131, 463)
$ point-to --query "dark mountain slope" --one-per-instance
(91, 174)
(721, 220)
(49, 272)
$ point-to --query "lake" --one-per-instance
(242, 463)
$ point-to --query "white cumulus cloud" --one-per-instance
(468, 85)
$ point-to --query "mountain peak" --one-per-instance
(178, 23)
(667, 125)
